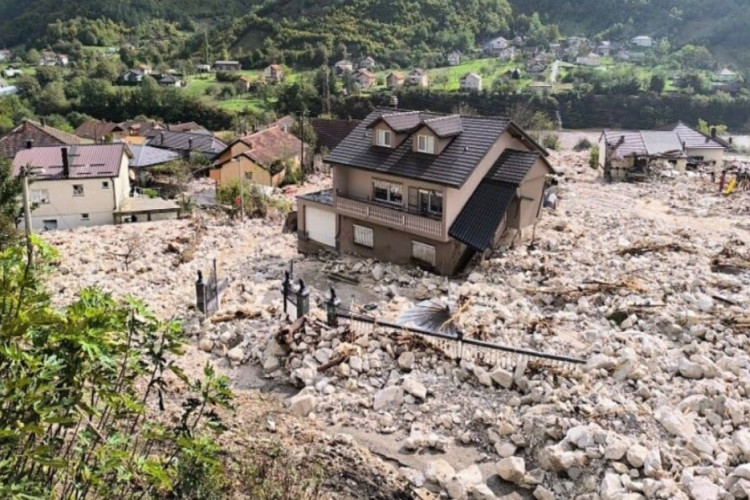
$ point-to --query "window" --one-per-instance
(387, 192)
(363, 236)
(425, 144)
(249, 176)
(77, 189)
(50, 225)
(423, 253)
(84, 216)
(105, 184)
(40, 196)
(385, 138)
(430, 202)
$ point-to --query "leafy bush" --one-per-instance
(583, 145)
(255, 200)
(551, 141)
(594, 158)
(83, 395)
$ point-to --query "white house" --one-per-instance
(343, 66)
(367, 63)
(495, 45)
(725, 75)
(471, 82)
(418, 78)
(454, 58)
(507, 54)
(592, 59)
(643, 41)
(84, 185)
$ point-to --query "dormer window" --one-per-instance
(384, 138)
(426, 144)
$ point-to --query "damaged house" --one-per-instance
(424, 188)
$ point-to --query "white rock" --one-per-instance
(636, 455)
(302, 404)
(236, 355)
(580, 436)
(472, 475)
(271, 364)
(387, 396)
(503, 378)
(439, 472)
(675, 422)
(413, 476)
(542, 493)
(512, 469)
(378, 272)
(701, 488)
(688, 369)
(406, 360)
(611, 487)
(505, 449)
(482, 492)
(456, 489)
(206, 345)
(616, 448)
(355, 362)
(414, 387)
(415, 441)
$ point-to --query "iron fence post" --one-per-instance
(303, 299)
(332, 309)
(286, 287)
(200, 293)
(460, 337)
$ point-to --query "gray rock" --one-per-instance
(611, 487)
(542, 493)
(502, 377)
(236, 355)
(470, 476)
(406, 360)
(302, 404)
(482, 492)
(206, 345)
(439, 472)
(675, 422)
(688, 369)
(414, 387)
(505, 449)
(636, 455)
(271, 364)
(702, 488)
(389, 395)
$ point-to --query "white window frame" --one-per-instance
(40, 196)
(385, 138)
(390, 188)
(429, 194)
(428, 146)
(364, 236)
(75, 191)
(105, 185)
(423, 252)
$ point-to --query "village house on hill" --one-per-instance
(227, 66)
(418, 78)
(343, 66)
(262, 157)
(85, 185)
(36, 134)
(367, 63)
(424, 188)
(364, 79)
(394, 80)
(273, 74)
(454, 58)
(471, 82)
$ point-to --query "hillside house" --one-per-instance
(5, 55)
(364, 79)
(593, 60)
(700, 148)
(541, 88)
(494, 46)
(273, 74)
(417, 187)
(367, 63)
(604, 49)
(454, 58)
(470, 82)
(35, 134)
(100, 130)
(11, 72)
(262, 157)
(418, 78)
(507, 54)
(227, 66)
(133, 77)
(343, 66)
(726, 75)
(170, 81)
(203, 68)
(187, 143)
(394, 80)
(50, 58)
(243, 83)
(145, 69)
(642, 41)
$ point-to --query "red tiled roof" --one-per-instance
(96, 129)
(270, 145)
(85, 161)
(42, 135)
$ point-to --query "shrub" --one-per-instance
(583, 145)
(255, 200)
(551, 141)
(594, 158)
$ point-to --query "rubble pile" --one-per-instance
(646, 281)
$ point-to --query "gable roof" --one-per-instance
(96, 129)
(451, 168)
(694, 139)
(42, 135)
(268, 146)
(512, 166)
(643, 143)
(187, 141)
(395, 74)
(445, 126)
(85, 161)
(146, 156)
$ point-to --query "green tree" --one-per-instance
(10, 203)
(657, 84)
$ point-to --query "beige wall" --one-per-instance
(525, 207)
(440, 144)
(709, 154)
(397, 138)
(457, 198)
(228, 173)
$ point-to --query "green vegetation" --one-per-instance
(594, 158)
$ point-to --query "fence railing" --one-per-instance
(458, 347)
(398, 219)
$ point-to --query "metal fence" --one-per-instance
(208, 291)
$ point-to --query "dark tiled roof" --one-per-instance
(694, 139)
(331, 132)
(512, 166)
(445, 126)
(42, 135)
(643, 143)
(480, 218)
(85, 161)
(146, 156)
(399, 122)
(451, 168)
(187, 141)
(186, 127)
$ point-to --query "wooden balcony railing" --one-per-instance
(391, 217)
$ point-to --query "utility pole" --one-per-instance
(302, 148)
(25, 171)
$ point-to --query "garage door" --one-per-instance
(321, 226)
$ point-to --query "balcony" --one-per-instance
(393, 217)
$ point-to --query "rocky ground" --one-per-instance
(647, 282)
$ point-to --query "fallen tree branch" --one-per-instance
(655, 247)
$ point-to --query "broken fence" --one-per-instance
(457, 347)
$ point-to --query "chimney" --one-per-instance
(161, 139)
(713, 132)
(29, 144)
(44, 122)
(190, 143)
(65, 163)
